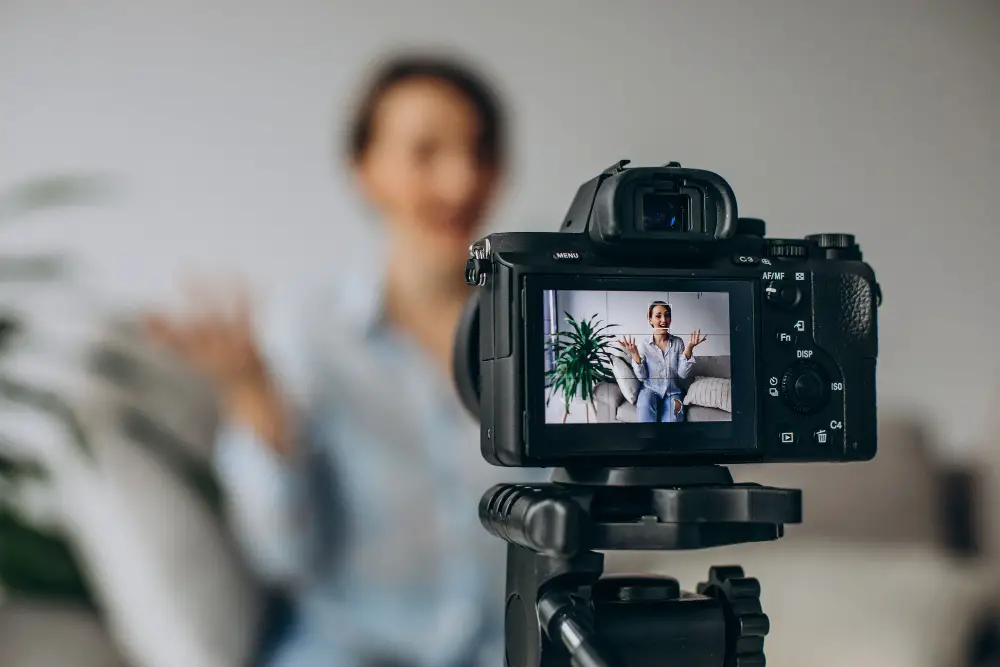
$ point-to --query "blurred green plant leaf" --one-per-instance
(33, 267)
(36, 564)
(55, 191)
(47, 401)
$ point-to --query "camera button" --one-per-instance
(805, 388)
(746, 260)
(809, 387)
(790, 294)
(785, 295)
(787, 437)
(786, 339)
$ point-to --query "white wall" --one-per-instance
(708, 311)
(873, 117)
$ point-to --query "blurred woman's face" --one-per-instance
(659, 319)
(422, 168)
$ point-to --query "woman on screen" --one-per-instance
(659, 361)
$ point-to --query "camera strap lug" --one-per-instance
(479, 264)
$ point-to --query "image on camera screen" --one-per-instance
(623, 357)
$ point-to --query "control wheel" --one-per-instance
(780, 248)
(805, 388)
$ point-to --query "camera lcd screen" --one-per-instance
(665, 212)
(589, 397)
(637, 357)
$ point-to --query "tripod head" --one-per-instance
(559, 607)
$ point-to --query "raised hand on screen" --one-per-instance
(627, 343)
(694, 340)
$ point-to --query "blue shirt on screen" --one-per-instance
(659, 369)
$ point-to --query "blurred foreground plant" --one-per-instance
(35, 560)
(84, 397)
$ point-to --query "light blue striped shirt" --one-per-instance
(659, 369)
(376, 525)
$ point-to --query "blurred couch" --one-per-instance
(49, 633)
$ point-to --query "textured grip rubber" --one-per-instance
(844, 316)
(845, 324)
(546, 521)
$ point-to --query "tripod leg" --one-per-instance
(531, 575)
(566, 620)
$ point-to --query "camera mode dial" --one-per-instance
(837, 246)
(835, 241)
(805, 387)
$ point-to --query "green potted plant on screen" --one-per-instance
(582, 361)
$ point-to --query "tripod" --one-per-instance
(560, 608)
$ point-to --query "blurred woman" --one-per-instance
(353, 471)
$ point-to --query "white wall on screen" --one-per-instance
(708, 311)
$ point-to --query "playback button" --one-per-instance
(787, 438)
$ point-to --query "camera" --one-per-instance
(654, 339)
(786, 370)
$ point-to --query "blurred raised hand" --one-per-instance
(217, 336)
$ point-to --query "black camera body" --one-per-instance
(789, 374)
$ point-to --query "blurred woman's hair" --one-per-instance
(403, 68)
